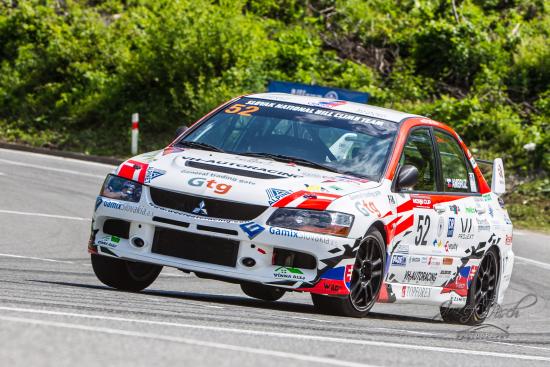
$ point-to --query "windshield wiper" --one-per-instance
(286, 158)
(198, 145)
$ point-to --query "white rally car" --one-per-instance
(352, 203)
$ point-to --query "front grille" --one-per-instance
(191, 246)
(214, 208)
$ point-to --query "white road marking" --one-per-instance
(308, 319)
(518, 345)
(287, 335)
(186, 303)
(200, 343)
(54, 157)
(61, 170)
(2, 211)
(36, 258)
(534, 262)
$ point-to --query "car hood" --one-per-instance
(232, 177)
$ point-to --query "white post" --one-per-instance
(135, 133)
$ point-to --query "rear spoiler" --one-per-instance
(496, 172)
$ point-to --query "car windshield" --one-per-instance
(308, 135)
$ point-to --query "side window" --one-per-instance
(419, 152)
(454, 170)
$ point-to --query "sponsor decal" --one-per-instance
(415, 259)
(473, 184)
(300, 235)
(426, 202)
(348, 271)
(409, 291)
(274, 195)
(367, 208)
(457, 183)
(363, 195)
(286, 272)
(399, 260)
(201, 209)
(111, 241)
(152, 173)
(445, 272)
(483, 225)
(127, 207)
(451, 227)
(359, 205)
(220, 176)
(218, 188)
(391, 199)
(450, 246)
(243, 165)
(437, 243)
(252, 229)
(440, 225)
(466, 225)
(434, 261)
(473, 162)
(470, 210)
(447, 261)
(508, 240)
(420, 276)
(98, 202)
(454, 209)
(491, 211)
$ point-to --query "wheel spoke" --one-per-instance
(376, 274)
(376, 262)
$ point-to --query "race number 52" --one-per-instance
(241, 109)
(422, 230)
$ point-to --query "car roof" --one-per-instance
(338, 105)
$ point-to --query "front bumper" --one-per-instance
(330, 257)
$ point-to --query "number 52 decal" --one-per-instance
(422, 230)
(242, 109)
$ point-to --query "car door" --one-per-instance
(464, 216)
(410, 261)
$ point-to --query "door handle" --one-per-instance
(440, 208)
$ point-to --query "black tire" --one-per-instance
(263, 292)
(366, 280)
(481, 295)
(124, 275)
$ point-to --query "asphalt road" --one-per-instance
(54, 312)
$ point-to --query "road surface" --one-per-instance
(54, 312)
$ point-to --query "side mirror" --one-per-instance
(498, 184)
(407, 178)
(180, 130)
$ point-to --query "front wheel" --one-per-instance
(366, 280)
(481, 295)
(123, 274)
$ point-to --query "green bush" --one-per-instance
(72, 72)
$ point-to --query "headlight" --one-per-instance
(119, 188)
(333, 223)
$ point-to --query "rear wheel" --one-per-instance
(262, 292)
(366, 280)
(123, 274)
(481, 295)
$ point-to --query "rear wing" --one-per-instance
(495, 171)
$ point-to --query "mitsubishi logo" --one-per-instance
(200, 210)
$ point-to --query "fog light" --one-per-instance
(248, 262)
(138, 242)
